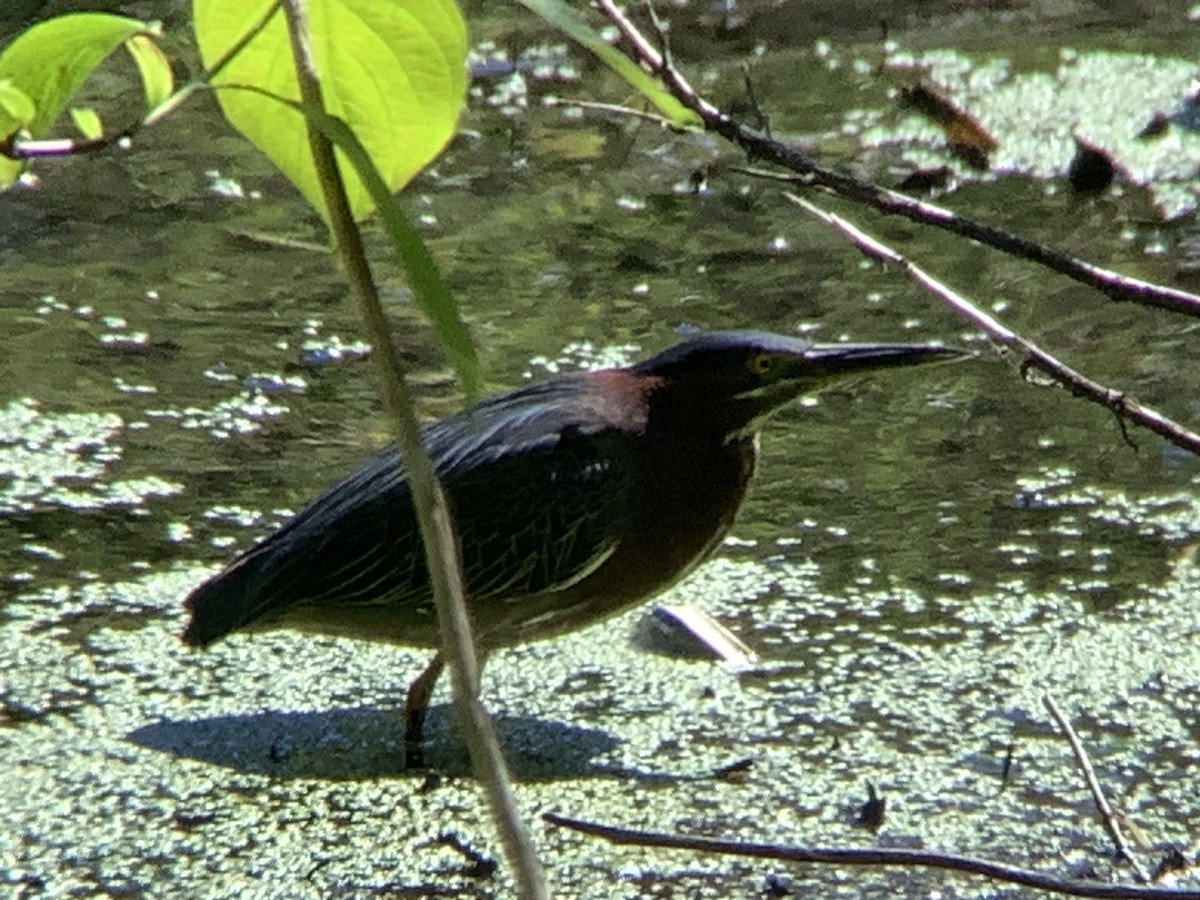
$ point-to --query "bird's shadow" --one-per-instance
(366, 742)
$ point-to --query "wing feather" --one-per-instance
(538, 485)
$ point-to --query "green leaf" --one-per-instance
(17, 108)
(16, 111)
(394, 70)
(87, 121)
(568, 21)
(154, 67)
(49, 61)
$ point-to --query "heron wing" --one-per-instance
(538, 487)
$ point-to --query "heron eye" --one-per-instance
(761, 363)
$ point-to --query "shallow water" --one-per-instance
(923, 556)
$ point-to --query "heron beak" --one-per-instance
(834, 360)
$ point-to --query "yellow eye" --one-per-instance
(761, 363)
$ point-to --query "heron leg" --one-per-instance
(416, 705)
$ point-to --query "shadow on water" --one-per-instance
(364, 742)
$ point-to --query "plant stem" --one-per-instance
(437, 529)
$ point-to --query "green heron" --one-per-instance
(574, 498)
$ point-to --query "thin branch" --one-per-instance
(651, 60)
(1107, 815)
(617, 110)
(20, 148)
(433, 515)
(806, 171)
(837, 856)
(1119, 403)
(660, 31)
(15, 147)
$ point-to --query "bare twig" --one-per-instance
(660, 31)
(17, 147)
(806, 171)
(616, 110)
(1107, 815)
(1119, 403)
(889, 856)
